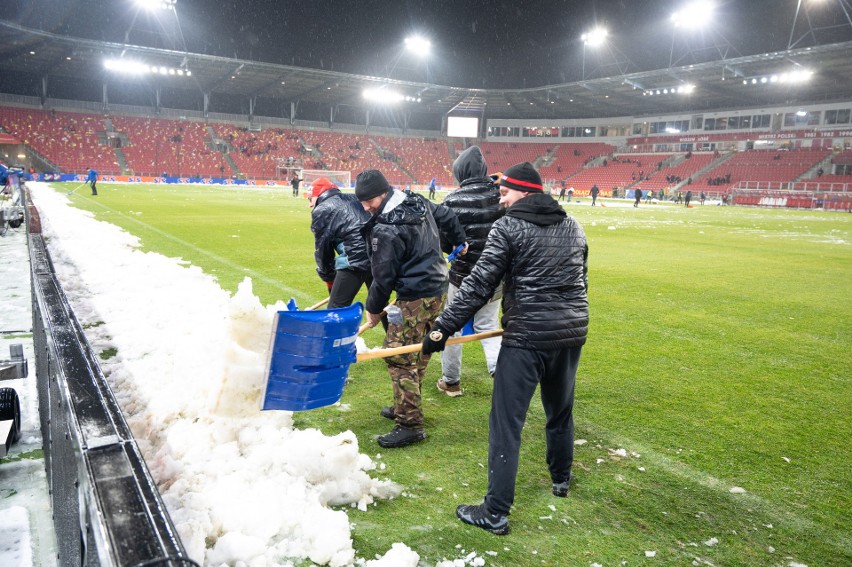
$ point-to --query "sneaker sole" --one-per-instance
(451, 394)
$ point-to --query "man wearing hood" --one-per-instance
(339, 248)
(477, 205)
(540, 255)
(402, 238)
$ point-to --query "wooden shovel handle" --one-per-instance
(366, 326)
(318, 305)
(386, 352)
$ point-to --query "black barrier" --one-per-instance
(106, 507)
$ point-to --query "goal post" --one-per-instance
(343, 179)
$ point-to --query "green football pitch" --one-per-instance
(713, 399)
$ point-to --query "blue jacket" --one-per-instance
(93, 175)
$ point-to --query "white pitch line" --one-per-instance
(266, 279)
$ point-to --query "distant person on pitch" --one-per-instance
(294, 183)
(339, 248)
(432, 188)
(594, 194)
(539, 256)
(405, 256)
(687, 198)
(92, 179)
(638, 194)
(477, 205)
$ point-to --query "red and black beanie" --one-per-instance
(522, 177)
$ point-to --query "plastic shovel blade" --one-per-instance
(309, 357)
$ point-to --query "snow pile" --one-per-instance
(241, 485)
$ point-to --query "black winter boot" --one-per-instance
(400, 437)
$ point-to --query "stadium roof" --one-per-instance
(28, 55)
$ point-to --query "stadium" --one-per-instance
(712, 399)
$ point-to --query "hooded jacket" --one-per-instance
(476, 203)
(337, 219)
(403, 244)
(540, 254)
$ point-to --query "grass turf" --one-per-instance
(718, 353)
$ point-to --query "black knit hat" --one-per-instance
(370, 183)
(522, 177)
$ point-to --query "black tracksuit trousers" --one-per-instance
(347, 284)
(519, 371)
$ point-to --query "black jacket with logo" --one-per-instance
(403, 244)
(540, 254)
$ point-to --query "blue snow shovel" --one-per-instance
(455, 253)
(309, 357)
(310, 354)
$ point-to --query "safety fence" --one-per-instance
(106, 507)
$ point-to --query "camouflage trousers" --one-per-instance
(407, 370)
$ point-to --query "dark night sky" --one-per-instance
(475, 43)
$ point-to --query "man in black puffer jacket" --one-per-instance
(477, 205)
(405, 255)
(339, 248)
(540, 254)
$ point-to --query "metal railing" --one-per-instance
(106, 507)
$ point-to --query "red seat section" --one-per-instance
(569, 159)
(686, 169)
(759, 165)
(502, 155)
(174, 147)
(619, 171)
(69, 140)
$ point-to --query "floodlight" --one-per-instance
(157, 4)
(694, 15)
(126, 66)
(594, 37)
(382, 95)
(801, 113)
(418, 44)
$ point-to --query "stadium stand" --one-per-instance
(569, 159)
(501, 155)
(75, 141)
(759, 165)
(177, 148)
(257, 154)
(69, 140)
(683, 170)
(619, 171)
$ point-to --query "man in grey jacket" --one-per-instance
(540, 255)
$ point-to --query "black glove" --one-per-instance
(435, 341)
